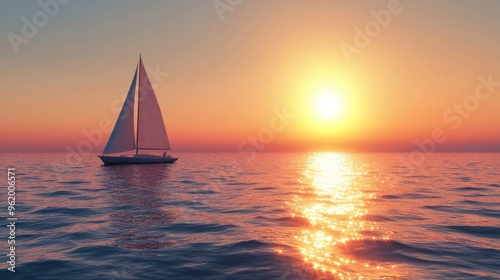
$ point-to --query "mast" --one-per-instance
(138, 104)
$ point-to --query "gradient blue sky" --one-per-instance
(225, 78)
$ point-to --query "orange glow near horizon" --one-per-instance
(219, 87)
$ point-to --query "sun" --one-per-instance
(328, 105)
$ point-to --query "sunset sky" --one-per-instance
(223, 72)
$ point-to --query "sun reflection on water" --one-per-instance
(334, 203)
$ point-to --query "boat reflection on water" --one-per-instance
(335, 199)
(137, 213)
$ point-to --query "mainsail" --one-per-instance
(122, 137)
(151, 133)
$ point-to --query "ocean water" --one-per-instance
(263, 216)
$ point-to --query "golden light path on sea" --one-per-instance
(334, 203)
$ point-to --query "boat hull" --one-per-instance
(136, 159)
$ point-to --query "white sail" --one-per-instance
(151, 133)
(122, 138)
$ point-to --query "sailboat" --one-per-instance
(150, 135)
